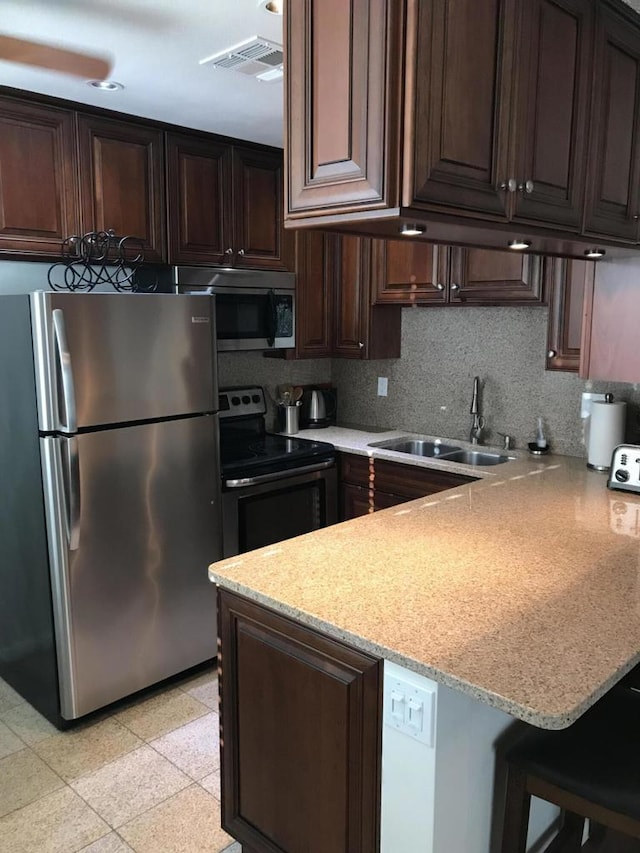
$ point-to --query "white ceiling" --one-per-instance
(155, 46)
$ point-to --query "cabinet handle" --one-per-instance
(241, 251)
(228, 251)
(455, 287)
(360, 344)
(439, 286)
(509, 186)
(552, 353)
(526, 187)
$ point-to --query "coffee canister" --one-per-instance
(289, 417)
(606, 432)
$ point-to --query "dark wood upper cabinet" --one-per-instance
(410, 273)
(461, 75)
(199, 186)
(567, 286)
(338, 104)
(487, 277)
(122, 181)
(258, 209)
(226, 205)
(362, 329)
(314, 296)
(555, 56)
(288, 691)
(38, 183)
(471, 119)
(613, 194)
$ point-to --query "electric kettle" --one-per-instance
(318, 407)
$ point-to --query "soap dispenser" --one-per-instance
(540, 445)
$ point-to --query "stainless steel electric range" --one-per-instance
(274, 486)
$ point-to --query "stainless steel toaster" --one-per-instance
(624, 473)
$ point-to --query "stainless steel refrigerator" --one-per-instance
(110, 494)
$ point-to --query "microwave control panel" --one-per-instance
(624, 473)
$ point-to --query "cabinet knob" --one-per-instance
(241, 251)
(552, 353)
(509, 186)
(455, 287)
(526, 187)
(228, 251)
(637, 216)
(439, 286)
(360, 344)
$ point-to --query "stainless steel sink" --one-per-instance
(438, 450)
(477, 457)
(417, 447)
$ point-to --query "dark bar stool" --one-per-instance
(591, 770)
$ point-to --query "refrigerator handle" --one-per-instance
(70, 423)
(73, 493)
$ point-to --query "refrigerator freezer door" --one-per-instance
(133, 604)
(112, 358)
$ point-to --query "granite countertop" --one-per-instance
(521, 589)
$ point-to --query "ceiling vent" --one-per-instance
(255, 57)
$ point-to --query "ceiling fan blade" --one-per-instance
(54, 58)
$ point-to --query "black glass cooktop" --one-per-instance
(249, 455)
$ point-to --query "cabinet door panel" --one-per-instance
(409, 272)
(339, 108)
(550, 149)
(289, 783)
(487, 277)
(200, 195)
(357, 501)
(259, 238)
(122, 181)
(462, 79)
(566, 309)
(351, 296)
(38, 186)
(314, 298)
(613, 202)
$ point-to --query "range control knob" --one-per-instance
(246, 399)
(255, 398)
(621, 475)
(235, 401)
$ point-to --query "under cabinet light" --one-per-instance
(594, 254)
(412, 230)
(105, 85)
(519, 245)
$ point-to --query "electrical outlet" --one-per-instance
(383, 386)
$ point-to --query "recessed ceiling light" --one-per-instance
(519, 245)
(273, 6)
(412, 230)
(594, 254)
(105, 85)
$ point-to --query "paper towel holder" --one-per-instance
(603, 465)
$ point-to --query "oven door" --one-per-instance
(274, 507)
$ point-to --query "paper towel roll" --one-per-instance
(606, 432)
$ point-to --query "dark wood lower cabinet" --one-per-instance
(368, 484)
(301, 722)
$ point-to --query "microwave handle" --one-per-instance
(272, 318)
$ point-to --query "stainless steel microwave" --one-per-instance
(254, 310)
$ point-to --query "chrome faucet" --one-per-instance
(477, 421)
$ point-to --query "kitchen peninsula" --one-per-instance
(515, 596)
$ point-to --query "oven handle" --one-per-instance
(276, 475)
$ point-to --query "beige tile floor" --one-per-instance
(144, 778)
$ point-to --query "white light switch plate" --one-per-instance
(383, 386)
(409, 709)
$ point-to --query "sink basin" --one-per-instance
(417, 447)
(476, 457)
